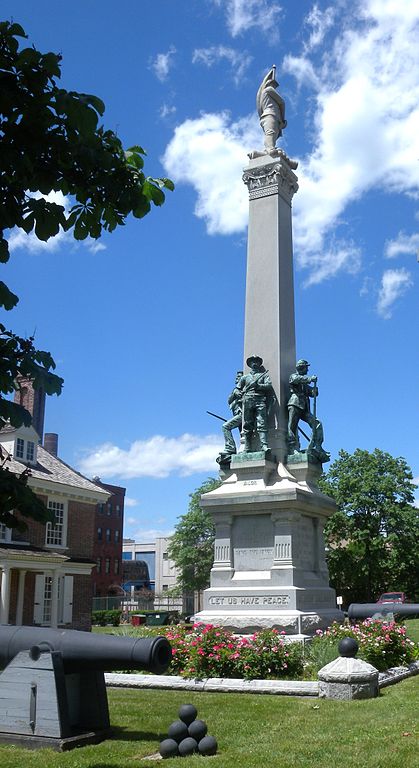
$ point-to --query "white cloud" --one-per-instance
(158, 456)
(365, 127)
(209, 153)
(403, 245)
(239, 60)
(166, 110)
(394, 283)
(302, 69)
(162, 64)
(128, 502)
(243, 15)
(320, 22)
(149, 535)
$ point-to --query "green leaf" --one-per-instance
(4, 251)
(152, 192)
(8, 300)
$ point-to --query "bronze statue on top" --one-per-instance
(271, 108)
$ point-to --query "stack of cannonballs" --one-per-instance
(188, 735)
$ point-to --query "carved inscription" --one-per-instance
(263, 600)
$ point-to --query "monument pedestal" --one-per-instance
(269, 559)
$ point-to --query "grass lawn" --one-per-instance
(252, 732)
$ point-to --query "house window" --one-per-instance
(118, 510)
(55, 532)
(20, 447)
(101, 509)
(108, 565)
(46, 614)
(165, 587)
(165, 556)
(108, 535)
(99, 565)
(30, 451)
(5, 533)
(99, 534)
(117, 536)
(109, 509)
(116, 566)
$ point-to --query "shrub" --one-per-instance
(382, 644)
(106, 617)
(210, 651)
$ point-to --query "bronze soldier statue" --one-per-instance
(256, 388)
(235, 403)
(302, 388)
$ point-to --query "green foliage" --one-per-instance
(373, 538)
(51, 141)
(205, 650)
(102, 618)
(192, 544)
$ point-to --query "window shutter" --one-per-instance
(68, 600)
(38, 607)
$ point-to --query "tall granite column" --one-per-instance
(269, 568)
(269, 317)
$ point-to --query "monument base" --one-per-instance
(269, 557)
(297, 625)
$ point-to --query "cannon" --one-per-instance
(52, 689)
(382, 610)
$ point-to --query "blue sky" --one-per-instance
(146, 325)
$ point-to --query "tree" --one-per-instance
(192, 544)
(51, 141)
(373, 537)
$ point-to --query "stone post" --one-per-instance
(346, 677)
(269, 316)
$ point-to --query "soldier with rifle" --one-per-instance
(302, 388)
(256, 387)
(235, 403)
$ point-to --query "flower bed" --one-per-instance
(382, 644)
(205, 650)
(210, 651)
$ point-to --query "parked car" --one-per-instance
(392, 597)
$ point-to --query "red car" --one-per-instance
(392, 597)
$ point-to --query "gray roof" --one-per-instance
(50, 468)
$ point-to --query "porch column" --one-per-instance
(20, 596)
(54, 599)
(5, 594)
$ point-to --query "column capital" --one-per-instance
(271, 176)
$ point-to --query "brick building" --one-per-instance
(46, 570)
(107, 548)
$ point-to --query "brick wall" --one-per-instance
(82, 603)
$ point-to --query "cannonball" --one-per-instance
(178, 731)
(348, 647)
(169, 748)
(208, 745)
(187, 713)
(188, 746)
(197, 729)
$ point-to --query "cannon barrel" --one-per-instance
(85, 651)
(368, 610)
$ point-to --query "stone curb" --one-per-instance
(222, 685)
(395, 674)
(225, 685)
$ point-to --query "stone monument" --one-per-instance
(269, 563)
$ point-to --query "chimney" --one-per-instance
(34, 402)
(51, 443)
